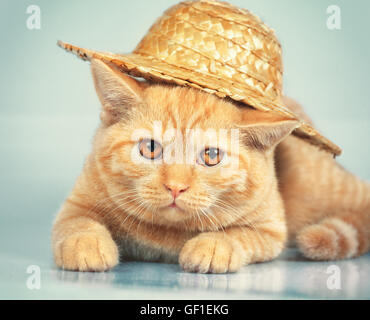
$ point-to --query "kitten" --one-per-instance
(207, 215)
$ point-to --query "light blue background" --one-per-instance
(49, 110)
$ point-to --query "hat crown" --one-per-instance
(218, 39)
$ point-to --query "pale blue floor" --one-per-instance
(290, 276)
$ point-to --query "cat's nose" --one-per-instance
(176, 188)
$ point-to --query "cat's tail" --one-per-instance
(341, 236)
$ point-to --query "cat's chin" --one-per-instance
(172, 214)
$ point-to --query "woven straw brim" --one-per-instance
(150, 68)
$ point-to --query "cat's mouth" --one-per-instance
(173, 205)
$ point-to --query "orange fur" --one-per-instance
(283, 187)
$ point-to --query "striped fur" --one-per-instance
(119, 209)
(327, 208)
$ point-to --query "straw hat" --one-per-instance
(215, 47)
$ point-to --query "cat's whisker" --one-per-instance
(200, 220)
(148, 209)
(97, 205)
(218, 221)
(219, 203)
(122, 205)
(109, 202)
(135, 215)
(209, 219)
(127, 207)
(225, 211)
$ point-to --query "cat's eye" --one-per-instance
(211, 156)
(150, 149)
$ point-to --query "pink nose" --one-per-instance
(176, 188)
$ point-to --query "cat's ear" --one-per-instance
(264, 130)
(117, 92)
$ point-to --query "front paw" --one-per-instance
(86, 251)
(212, 253)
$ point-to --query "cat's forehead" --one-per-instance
(186, 108)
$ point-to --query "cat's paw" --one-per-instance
(86, 252)
(212, 253)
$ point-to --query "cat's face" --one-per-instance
(177, 156)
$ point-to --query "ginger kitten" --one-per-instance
(210, 215)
